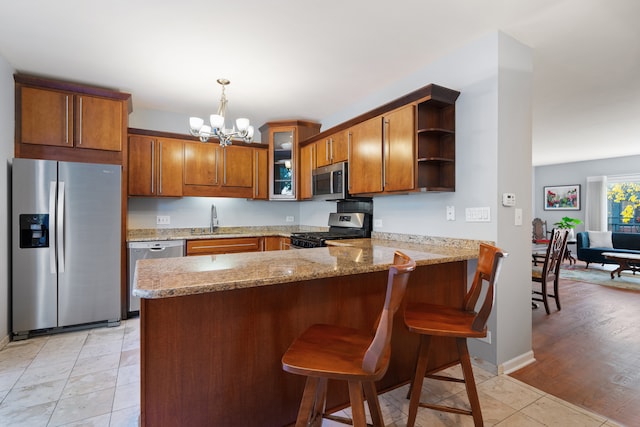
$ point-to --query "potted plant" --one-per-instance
(569, 224)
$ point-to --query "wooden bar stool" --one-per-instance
(326, 352)
(460, 323)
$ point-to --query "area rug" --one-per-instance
(601, 275)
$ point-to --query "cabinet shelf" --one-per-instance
(436, 131)
(435, 159)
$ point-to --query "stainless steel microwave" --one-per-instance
(331, 182)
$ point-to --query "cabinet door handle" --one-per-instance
(326, 150)
(153, 166)
(160, 169)
(331, 150)
(216, 169)
(66, 118)
(349, 159)
(224, 166)
(385, 151)
(235, 245)
(80, 136)
(256, 191)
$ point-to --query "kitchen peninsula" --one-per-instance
(214, 327)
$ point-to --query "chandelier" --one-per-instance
(217, 129)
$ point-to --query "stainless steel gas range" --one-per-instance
(352, 221)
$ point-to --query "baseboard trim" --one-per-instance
(516, 363)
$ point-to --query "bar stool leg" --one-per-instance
(313, 403)
(357, 404)
(469, 381)
(418, 379)
(371, 395)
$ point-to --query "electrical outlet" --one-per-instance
(451, 213)
(289, 218)
(163, 220)
(377, 223)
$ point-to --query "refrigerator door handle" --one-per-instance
(52, 227)
(60, 227)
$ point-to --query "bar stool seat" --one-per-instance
(460, 323)
(359, 357)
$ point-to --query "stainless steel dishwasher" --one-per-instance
(149, 250)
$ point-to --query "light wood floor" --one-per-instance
(589, 352)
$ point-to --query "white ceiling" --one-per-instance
(307, 59)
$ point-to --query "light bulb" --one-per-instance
(217, 121)
(195, 123)
(242, 124)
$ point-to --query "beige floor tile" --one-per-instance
(95, 381)
(82, 407)
(128, 374)
(127, 396)
(88, 365)
(99, 421)
(56, 370)
(127, 417)
(99, 349)
(35, 394)
(130, 357)
(32, 416)
(8, 379)
(509, 392)
(551, 412)
(519, 420)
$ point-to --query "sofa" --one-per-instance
(590, 245)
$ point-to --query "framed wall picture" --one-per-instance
(562, 198)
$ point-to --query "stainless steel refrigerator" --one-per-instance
(66, 226)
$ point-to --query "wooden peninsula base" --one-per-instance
(214, 358)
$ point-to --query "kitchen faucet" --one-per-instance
(214, 219)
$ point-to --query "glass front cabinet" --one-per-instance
(284, 151)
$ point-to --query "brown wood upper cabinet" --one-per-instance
(284, 152)
(406, 145)
(212, 170)
(333, 149)
(365, 157)
(260, 174)
(67, 119)
(382, 154)
(307, 165)
(155, 166)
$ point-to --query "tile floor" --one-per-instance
(92, 378)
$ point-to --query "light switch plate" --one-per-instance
(482, 214)
(163, 220)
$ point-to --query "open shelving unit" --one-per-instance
(435, 134)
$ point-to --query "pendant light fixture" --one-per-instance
(242, 129)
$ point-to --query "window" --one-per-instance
(623, 203)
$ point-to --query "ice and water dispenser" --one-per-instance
(34, 230)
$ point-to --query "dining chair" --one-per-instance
(359, 357)
(430, 320)
(549, 271)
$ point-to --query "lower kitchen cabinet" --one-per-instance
(223, 246)
(276, 243)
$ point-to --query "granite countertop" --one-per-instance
(169, 277)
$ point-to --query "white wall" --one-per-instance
(576, 173)
(7, 120)
(493, 155)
